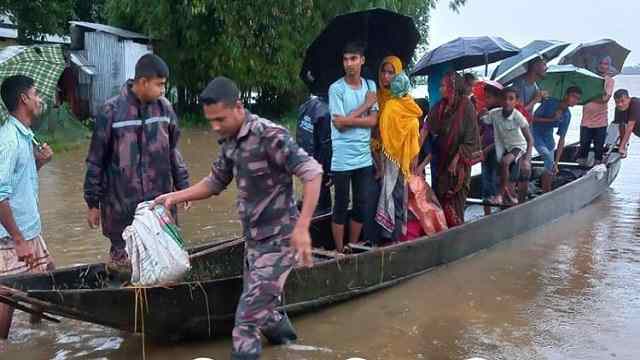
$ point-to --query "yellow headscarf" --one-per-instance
(399, 131)
(384, 94)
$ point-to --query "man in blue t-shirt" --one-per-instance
(553, 113)
(354, 111)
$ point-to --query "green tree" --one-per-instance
(259, 44)
(37, 18)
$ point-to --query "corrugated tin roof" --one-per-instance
(111, 30)
(8, 33)
(82, 63)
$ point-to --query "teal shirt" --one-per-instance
(19, 177)
(351, 148)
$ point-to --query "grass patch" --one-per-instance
(290, 120)
(193, 121)
(59, 128)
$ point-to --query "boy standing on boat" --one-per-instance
(627, 115)
(262, 157)
(22, 248)
(529, 93)
(553, 113)
(513, 142)
(354, 112)
(134, 154)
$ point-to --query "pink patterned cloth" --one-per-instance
(595, 114)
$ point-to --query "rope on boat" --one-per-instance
(206, 301)
(382, 266)
(140, 302)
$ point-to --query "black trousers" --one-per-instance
(361, 183)
(597, 136)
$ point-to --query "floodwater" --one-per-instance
(568, 290)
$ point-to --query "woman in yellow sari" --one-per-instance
(400, 145)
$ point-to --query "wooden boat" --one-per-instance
(203, 305)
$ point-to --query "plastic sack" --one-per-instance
(155, 247)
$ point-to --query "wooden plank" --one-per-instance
(538, 163)
(362, 248)
(473, 201)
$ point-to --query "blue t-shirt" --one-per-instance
(19, 177)
(526, 91)
(351, 148)
(547, 110)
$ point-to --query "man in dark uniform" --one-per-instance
(134, 154)
(313, 135)
(262, 157)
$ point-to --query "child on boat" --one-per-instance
(513, 143)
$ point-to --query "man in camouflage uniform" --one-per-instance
(134, 154)
(262, 157)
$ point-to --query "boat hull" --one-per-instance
(204, 307)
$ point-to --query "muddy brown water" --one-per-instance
(568, 290)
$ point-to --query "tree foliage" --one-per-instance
(37, 18)
(259, 44)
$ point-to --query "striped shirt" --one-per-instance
(19, 177)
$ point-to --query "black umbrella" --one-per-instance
(384, 33)
(467, 52)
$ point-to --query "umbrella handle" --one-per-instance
(486, 64)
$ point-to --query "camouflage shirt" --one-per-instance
(262, 157)
(133, 157)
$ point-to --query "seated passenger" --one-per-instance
(513, 142)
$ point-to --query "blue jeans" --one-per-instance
(490, 175)
(545, 144)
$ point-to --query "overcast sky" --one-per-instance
(521, 21)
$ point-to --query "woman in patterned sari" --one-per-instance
(453, 121)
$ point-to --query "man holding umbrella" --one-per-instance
(553, 113)
(22, 248)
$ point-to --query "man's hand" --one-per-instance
(93, 218)
(555, 168)
(168, 200)
(341, 122)
(23, 250)
(622, 151)
(44, 154)
(557, 113)
(453, 166)
(301, 243)
(371, 98)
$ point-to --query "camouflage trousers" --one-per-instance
(268, 262)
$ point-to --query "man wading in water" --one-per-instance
(134, 154)
(22, 248)
(262, 157)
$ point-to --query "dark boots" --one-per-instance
(282, 333)
(245, 356)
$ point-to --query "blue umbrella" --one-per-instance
(588, 55)
(466, 52)
(516, 66)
